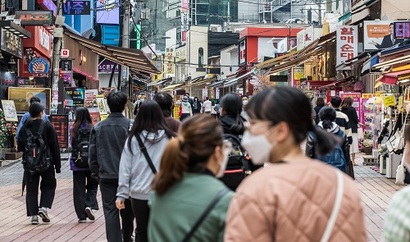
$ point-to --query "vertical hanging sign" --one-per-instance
(346, 43)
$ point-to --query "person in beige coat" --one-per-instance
(293, 198)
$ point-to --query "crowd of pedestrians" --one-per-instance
(242, 176)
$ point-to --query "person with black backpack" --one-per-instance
(41, 156)
(233, 126)
(84, 186)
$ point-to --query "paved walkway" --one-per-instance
(15, 226)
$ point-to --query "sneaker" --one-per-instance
(34, 220)
(89, 213)
(42, 212)
(82, 220)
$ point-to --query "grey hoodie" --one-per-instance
(135, 175)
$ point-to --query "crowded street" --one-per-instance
(376, 193)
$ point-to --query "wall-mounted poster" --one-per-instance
(102, 108)
(21, 97)
(90, 98)
(10, 113)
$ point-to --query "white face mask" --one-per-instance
(224, 163)
(258, 147)
(245, 102)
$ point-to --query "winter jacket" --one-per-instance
(174, 213)
(172, 123)
(106, 144)
(227, 121)
(186, 108)
(293, 202)
(24, 119)
(135, 177)
(49, 136)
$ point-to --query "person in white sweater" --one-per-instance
(135, 172)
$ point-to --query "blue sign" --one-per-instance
(76, 8)
(39, 66)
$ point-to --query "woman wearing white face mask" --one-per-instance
(189, 203)
(295, 198)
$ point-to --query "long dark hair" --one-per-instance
(196, 142)
(292, 106)
(150, 119)
(82, 116)
(232, 105)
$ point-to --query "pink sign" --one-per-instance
(357, 104)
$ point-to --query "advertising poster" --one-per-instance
(377, 34)
(10, 113)
(90, 98)
(108, 12)
(102, 108)
(21, 97)
(95, 115)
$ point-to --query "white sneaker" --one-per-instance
(90, 213)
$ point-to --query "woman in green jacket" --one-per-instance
(186, 189)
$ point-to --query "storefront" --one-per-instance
(35, 66)
(11, 50)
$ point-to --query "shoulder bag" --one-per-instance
(336, 207)
(205, 214)
(144, 151)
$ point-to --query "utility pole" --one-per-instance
(57, 86)
(125, 43)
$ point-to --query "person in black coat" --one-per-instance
(350, 111)
(320, 103)
(32, 180)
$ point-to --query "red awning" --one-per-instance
(391, 77)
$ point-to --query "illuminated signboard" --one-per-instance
(35, 18)
(108, 12)
(76, 8)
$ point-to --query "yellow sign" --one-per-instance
(389, 100)
(400, 104)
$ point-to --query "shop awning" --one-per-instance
(391, 78)
(238, 79)
(157, 83)
(171, 87)
(402, 59)
(132, 58)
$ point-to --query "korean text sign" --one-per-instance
(346, 43)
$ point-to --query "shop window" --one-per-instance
(200, 57)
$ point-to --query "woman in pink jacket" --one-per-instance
(293, 198)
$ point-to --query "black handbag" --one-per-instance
(144, 151)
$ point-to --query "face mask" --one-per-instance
(245, 102)
(224, 163)
(142, 99)
(258, 147)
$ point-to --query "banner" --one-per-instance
(377, 34)
(346, 43)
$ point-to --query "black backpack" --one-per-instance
(239, 166)
(37, 156)
(80, 154)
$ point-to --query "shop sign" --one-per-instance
(76, 8)
(346, 43)
(389, 100)
(7, 78)
(74, 97)
(11, 43)
(39, 66)
(66, 65)
(107, 66)
(44, 38)
(377, 34)
(242, 52)
(49, 5)
(35, 18)
(65, 53)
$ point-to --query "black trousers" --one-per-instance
(141, 212)
(84, 192)
(48, 186)
(113, 231)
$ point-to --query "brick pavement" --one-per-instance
(376, 191)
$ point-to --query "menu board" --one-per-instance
(74, 97)
(10, 113)
(60, 124)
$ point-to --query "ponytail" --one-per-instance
(327, 124)
(173, 165)
(325, 142)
